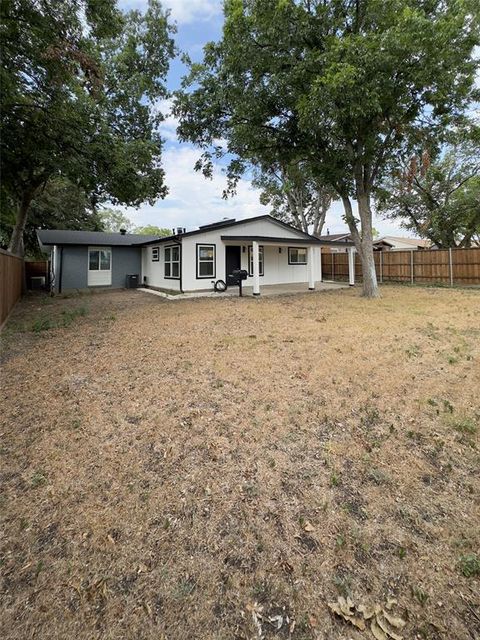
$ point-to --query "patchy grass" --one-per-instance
(168, 468)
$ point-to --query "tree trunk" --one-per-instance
(370, 285)
(16, 241)
(363, 242)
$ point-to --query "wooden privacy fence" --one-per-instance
(427, 266)
(36, 269)
(11, 277)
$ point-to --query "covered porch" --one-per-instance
(273, 262)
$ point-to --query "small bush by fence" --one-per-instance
(428, 266)
(11, 276)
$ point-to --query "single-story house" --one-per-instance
(270, 251)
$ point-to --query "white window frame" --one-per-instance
(155, 254)
(297, 249)
(212, 260)
(169, 262)
(261, 260)
(100, 277)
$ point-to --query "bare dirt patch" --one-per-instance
(213, 468)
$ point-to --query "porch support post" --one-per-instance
(351, 267)
(256, 268)
(310, 267)
(320, 263)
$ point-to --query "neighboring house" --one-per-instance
(336, 242)
(394, 243)
(272, 252)
(385, 243)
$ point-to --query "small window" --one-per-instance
(297, 256)
(205, 261)
(172, 262)
(99, 259)
(155, 254)
(250, 260)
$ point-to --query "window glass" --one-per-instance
(205, 269)
(172, 262)
(155, 254)
(297, 256)
(94, 260)
(206, 253)
(105, 260)
(205, 261)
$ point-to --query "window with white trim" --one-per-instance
(205, 261)
(250, 260)
(155, 254)
(99, 259)
(297, 256)
(172, 261)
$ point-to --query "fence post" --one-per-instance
(333, 265)
(381, 266)
(411, 266)
(450, 265)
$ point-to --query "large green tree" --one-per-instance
(337, 83)
(437, 195)
(79, 86)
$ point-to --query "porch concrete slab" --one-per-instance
(294, 287)
(265, 290)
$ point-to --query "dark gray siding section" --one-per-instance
(125, 260)
(74, 270)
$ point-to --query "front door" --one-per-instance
(232, 259)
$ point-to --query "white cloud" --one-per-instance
(192, 199)
(182, 11)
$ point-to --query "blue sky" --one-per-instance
(192, 200)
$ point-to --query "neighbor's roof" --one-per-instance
(416, 242)
(59, 236)
(335, 237)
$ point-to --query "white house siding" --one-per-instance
(276, 269)
(154, 272)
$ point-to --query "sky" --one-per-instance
(193, 200)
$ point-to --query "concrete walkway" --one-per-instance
(266, 290)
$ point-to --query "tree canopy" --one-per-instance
(59, 205)
(152, 230)
(341, 85)
(79, 85)
(437, 197)
(295, 196)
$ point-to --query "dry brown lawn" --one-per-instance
(225, 468)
